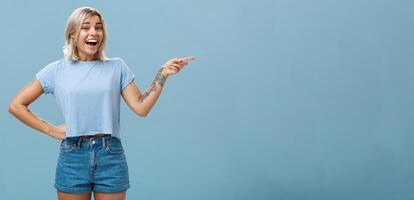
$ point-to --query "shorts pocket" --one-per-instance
(115, 146)
(65, 146)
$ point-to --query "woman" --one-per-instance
(87, 87)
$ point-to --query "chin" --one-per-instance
(93, 53)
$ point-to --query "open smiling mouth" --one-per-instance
(91, 43)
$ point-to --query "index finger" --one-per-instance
(188, 58)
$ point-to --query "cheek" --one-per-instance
(100, 34)
(79, 42)
(81, 38)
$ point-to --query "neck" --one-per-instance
(83, 57)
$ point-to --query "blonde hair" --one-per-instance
(73, 26)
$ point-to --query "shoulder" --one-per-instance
(115, 60)
(119, 63)
(56, 63)
(52, 66)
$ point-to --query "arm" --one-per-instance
(19, 108)
(141, 104)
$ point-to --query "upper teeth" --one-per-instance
(91, 40)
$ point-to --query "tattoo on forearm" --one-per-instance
(159, 79)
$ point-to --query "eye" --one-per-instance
(85, 28)
(98, 28)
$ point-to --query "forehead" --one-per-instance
(94, 19)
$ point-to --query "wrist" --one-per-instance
(163, 72)
(161, 76)
(50, 129)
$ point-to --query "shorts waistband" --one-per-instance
(99, 139)
(94, 139)
(95, 136)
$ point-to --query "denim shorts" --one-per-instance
(91, 164)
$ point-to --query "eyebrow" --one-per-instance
(99, 23)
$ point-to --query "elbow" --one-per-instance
(140, 110)
(13, 108)
(142, 114)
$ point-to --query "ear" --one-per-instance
(72, 35)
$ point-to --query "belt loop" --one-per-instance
(103, 142)
(79, 142)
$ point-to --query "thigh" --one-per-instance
(73, 168)
(109, 196)
(69, 196)
(111, 171)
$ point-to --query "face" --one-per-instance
(90, 38)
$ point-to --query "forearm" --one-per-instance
(22, 113)
(148, 99)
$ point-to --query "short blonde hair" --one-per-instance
(73, 26)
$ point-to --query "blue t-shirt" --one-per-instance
(88, 93)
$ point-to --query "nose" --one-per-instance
(92, 31)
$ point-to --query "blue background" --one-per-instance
(288, 99)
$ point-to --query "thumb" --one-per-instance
(62, 128)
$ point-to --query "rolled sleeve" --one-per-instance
(46, 77)
(127, 76)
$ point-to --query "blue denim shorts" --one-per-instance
(91, 164)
